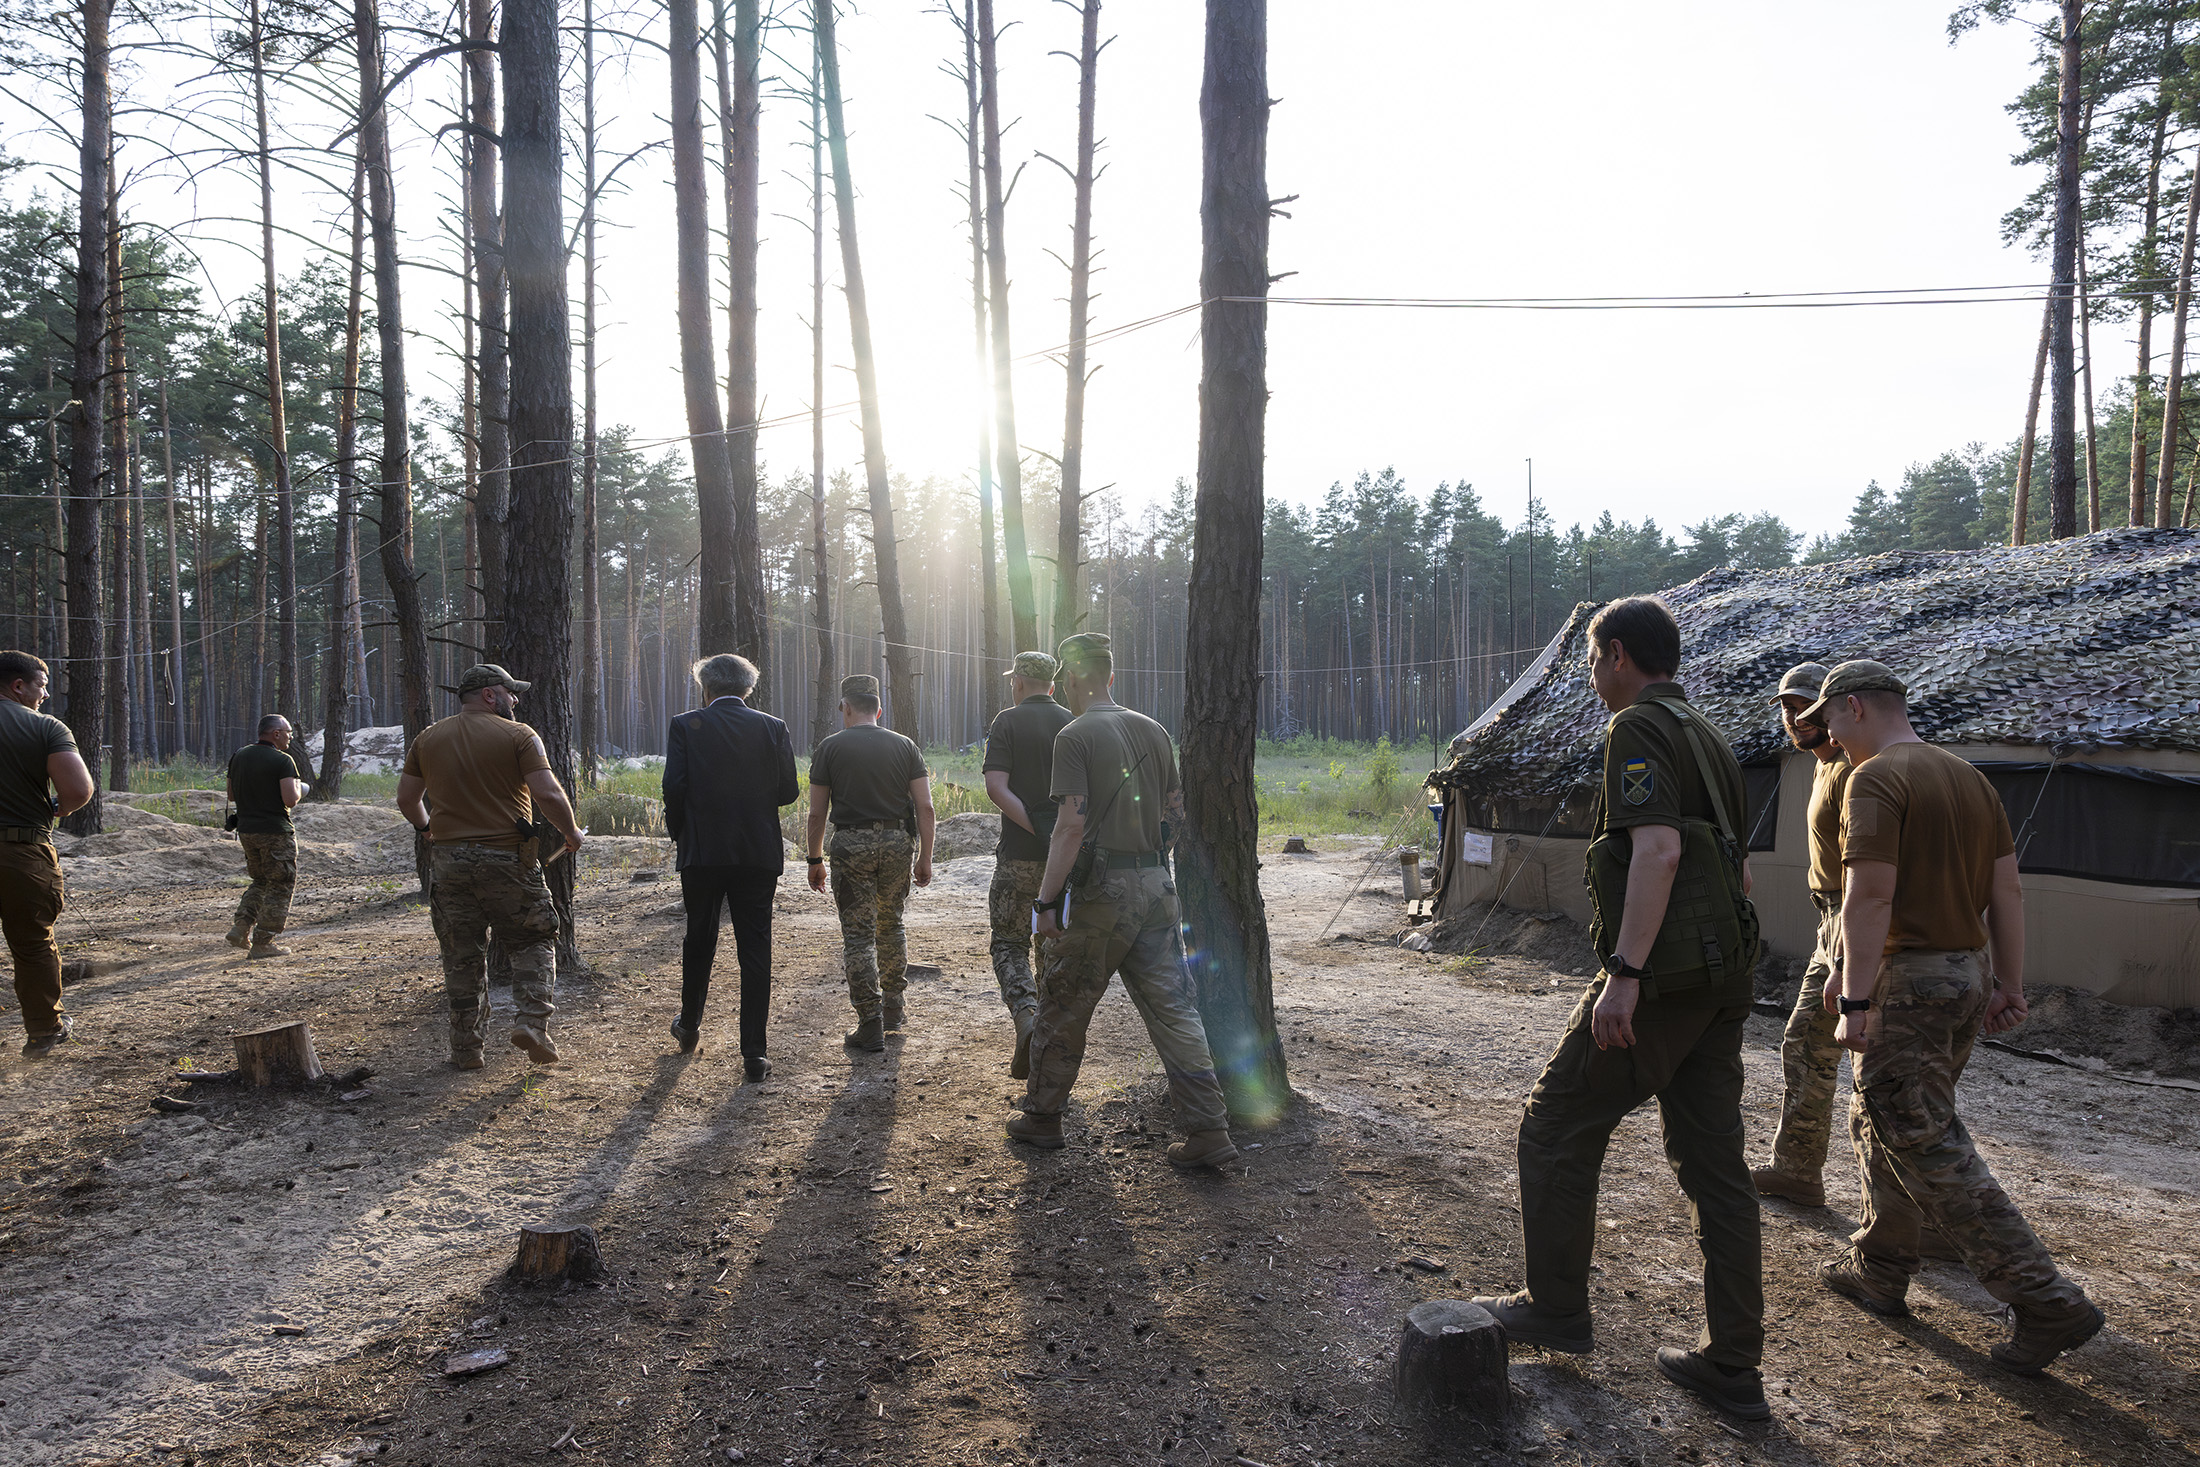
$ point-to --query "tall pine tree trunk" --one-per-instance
(2085, 355)
(1218, 864)
(989, 565)
(538, 589)
(493, 369)
(1069, 553)
(117, 646)
(1007, 454)
(901, 678)
(289, 693)
(2149, 256)
(698, 371)
(2062, 419)
(2020, 517)
(175, 575)
(344, 542)
(2165, 483)
(739, 110)
(822, 696)
(592, 710)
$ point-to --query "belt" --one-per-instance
(867, 825)
(26, 835)
(1826, 901)
(475, 845)
(1134, 859)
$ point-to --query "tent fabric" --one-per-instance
(2102, 822)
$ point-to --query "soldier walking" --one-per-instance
(872, 784)
(1019, 774)
(41, 777)
(483, 774)
(1927, 848)
(1115, 779)
(1664, 1019)
(265, 785)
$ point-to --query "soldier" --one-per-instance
(1664, 1018)
(873, 785)
(483, 773)
(1019, 774)
(1810, 1061)
(36, 752)
(264, 785)
(1116, 783)
(1927, 848)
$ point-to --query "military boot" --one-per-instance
(240, 935)
(1203, 1148)
(1019, 1064)
(1802, 1191)
(893, 1011)
(1044, 1132)
(536, 1043)
(868, 1034)
(1528, 1323)
(1848, 1277)
(466, 1059)
(263, 946)
(2038, 1338)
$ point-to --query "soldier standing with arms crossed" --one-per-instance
(265, 785)
(1664, 1019)
(1019, 775)
(872, 784)
(36, 751)
(1927, 846)
(482, 772)
(1115, 776)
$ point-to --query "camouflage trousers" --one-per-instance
(272, 863)
(1128, 924)
(1015, 887)
(871, 871)
(1810, 1062)
(1918, 1161)
(478, 890)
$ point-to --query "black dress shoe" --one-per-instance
(686, 1036)
(756, 1067)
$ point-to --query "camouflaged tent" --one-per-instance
(2069, 672)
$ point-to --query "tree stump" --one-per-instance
(282, 1056)
(1295, 845)
(557, 1253)
(1451, 1355)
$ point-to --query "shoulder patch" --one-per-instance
(1638, 782)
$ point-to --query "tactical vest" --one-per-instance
(1707, 948)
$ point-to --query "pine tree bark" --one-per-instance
(1218, 865)
(344, 540)
(493, 369)
(592, 710)
(740, 106)
(175, 575)
(2142, 383)
(2062, 418)
(821, 600)
(1007, 453)
(2020, 515)
(538, 588)
(289, 693)
(1069, 540)
(2085, 357)
(2165, 483)
(989, 565)
(117, 645)
(902, 695)
(698, 370)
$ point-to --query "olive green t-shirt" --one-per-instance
(1020, 744)
(1123, 766)
(28, 739)
(1651, 775)
(1941, 825)
(1828, 784)
(869, 769)
(256, 775)
(476, 766)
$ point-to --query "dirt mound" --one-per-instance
(345, 821)
(1551, 938)
(974, 833)
(2095, 1034)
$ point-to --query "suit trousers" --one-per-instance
(1690, 1061)
(747, 892)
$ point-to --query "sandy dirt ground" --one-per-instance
(849, 1263)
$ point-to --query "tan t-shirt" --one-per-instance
(1829, 783)
(1122, 764)
(476, 766)
(1940, 824)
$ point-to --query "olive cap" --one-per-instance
(1036, 666)
(487, 675)
(1860, 676)
(1801, 681)
(860, 685)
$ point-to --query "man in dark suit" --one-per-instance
(728, 769)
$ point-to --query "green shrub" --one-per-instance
(1382, 772)
(613, 812)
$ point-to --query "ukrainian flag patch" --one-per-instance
(1637, 781)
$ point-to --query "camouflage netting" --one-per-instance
(2080, 645)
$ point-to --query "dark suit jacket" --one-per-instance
(728, 769)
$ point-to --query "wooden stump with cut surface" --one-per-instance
(1451, 1355)
(553, 1253)
(282, 1056)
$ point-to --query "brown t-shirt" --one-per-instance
(476, 766)
(1122, 764)
(28, 739)
(1829, 783)
(1940, 824)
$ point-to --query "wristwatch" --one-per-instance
(1618, 969)
(1854, 1005)
(1054, 906)
(815, 860)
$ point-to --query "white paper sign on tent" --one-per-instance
(1474, 848)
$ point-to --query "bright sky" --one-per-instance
(1457, 148)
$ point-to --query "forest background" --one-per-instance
(1392, 609)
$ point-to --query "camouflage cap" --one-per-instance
(1036, 666)
(1082, 648)
(1860, 676)
(861, 685)
(487, 675)
(1800, 681)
